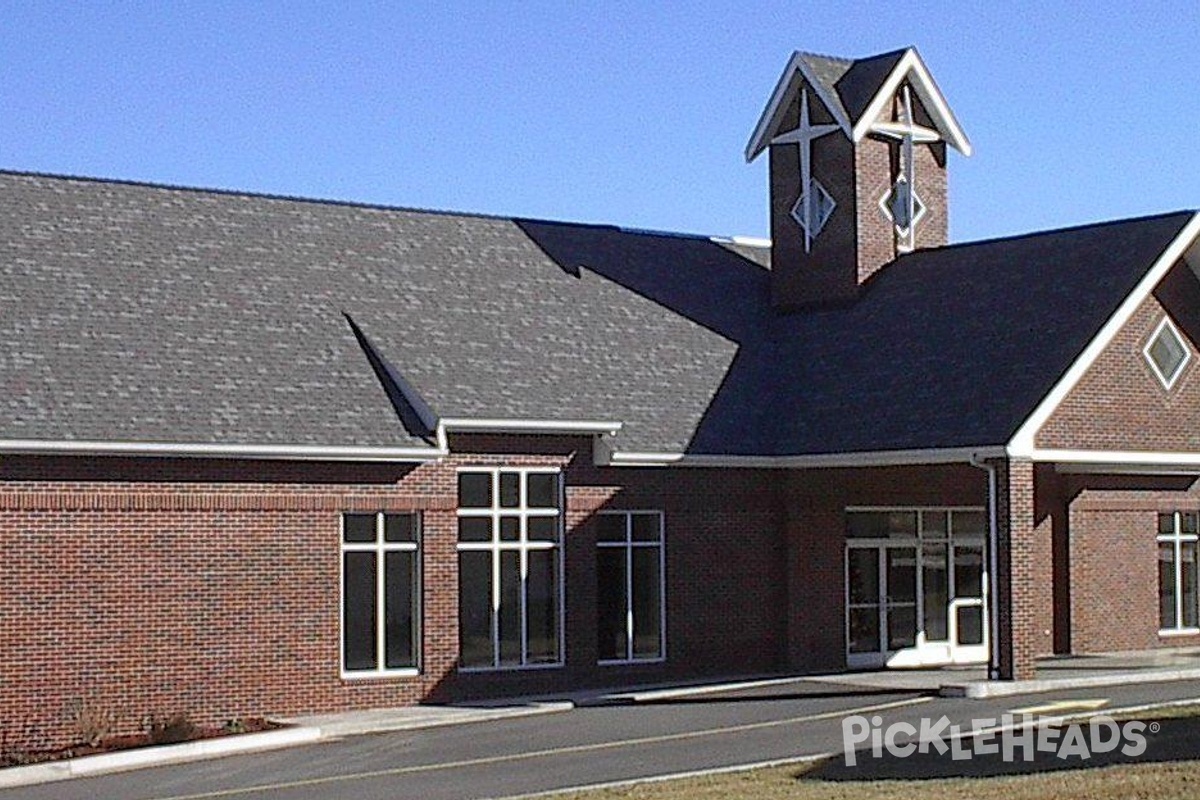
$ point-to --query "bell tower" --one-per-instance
(857, 152)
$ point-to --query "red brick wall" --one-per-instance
(816, 528)
(1120, 404)
(158, 587)
(1114, 559)
(859, 238)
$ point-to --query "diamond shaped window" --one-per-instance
(821, 209)
(895, 206)
(1167, 353)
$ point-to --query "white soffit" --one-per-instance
(911, 66)
(768, 123)
(1183, 246)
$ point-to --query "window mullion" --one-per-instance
(380, 584)
(1178, 546)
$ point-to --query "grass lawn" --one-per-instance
(1169, 781)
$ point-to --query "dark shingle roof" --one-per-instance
(142, 313)
(854, 83)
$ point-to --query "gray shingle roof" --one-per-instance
(150, 314)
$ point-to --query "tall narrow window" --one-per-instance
(1178, 606)
(629, 586)
(381, 591)
(509, 567)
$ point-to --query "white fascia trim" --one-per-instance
(547, 426)
(1092, 461)
(930, 94)
(882, 458)
(248, 451)
(764, 130)
(1022, 443)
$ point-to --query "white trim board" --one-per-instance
(929, 93)
(1022, 444)
(883, 458)
(768, 122)
(198, 450)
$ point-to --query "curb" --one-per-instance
(981, 690)
(470, 714)
(106, 763)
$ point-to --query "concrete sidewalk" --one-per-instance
(1084, 671)
(1057, 673)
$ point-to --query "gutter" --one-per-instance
(199, 450)
(877, 458)
(993, 588)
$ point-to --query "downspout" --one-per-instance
(993, 563)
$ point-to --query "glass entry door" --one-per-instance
(915, 588)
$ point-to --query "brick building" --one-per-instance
(264, 455)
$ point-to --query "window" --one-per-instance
(629, 586)
(1167, 353)
(381, 591)
(1177, 600)
(509, 568)
(819, 208)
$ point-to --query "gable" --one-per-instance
(1121, 403)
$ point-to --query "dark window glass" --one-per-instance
(400, 528)
(1187, 589)
(881, 524)
(510, 490)
(1166, 584)
(1187, 522)
(864, 575)
(610, 527)
(474, 529)
(968, 572)
(902, 627)
(970, 625)
(541, 594)
(510, 608)
(358, 528)
(646, 528)
(933, 524)
(646, 603)
(902, 575)
(864, 630)
(1166, 523)
(400, 602)
(358, 611)
(542, 489)
(475, 608)
(936, 590)
(510, 529)
(610, 603)
(474, 490)
(969, 523)
(542, 529)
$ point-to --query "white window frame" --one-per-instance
(629, 545)
(522, 546)
(379, 547)
(1177, 538)
(1166, 381)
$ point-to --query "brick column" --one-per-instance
(1015, 573)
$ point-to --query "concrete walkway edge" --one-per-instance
(154, 756)
(307, 730)
(980, 690)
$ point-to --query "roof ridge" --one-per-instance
(1065, 229)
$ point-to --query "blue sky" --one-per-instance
(633, 114)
